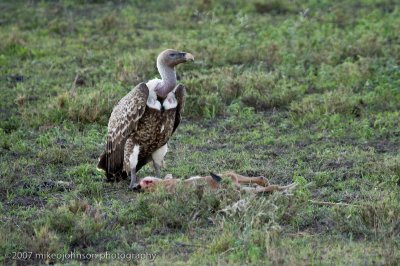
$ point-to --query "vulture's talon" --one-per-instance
(135, 187)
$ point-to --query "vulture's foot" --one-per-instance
(135, 187)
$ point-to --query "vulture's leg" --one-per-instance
(157, 169)
(133, 160)
(133, 183)
(158, 159)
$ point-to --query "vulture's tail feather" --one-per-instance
(102, 164)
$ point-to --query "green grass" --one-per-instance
(304, 91)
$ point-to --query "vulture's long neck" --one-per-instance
(168, 77)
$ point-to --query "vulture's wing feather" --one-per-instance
(180, 95)
(123, 122)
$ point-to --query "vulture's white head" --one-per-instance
(166, 62)
(171, 58)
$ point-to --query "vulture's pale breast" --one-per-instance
(154, 129)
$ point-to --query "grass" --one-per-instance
(304, 91)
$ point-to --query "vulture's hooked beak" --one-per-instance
(188, 57)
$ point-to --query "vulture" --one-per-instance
(142, 122)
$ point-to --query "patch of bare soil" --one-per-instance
(56, 185)
(28, 201)
(383, 146)
(3, 194)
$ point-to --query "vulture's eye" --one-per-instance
(172, 55)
